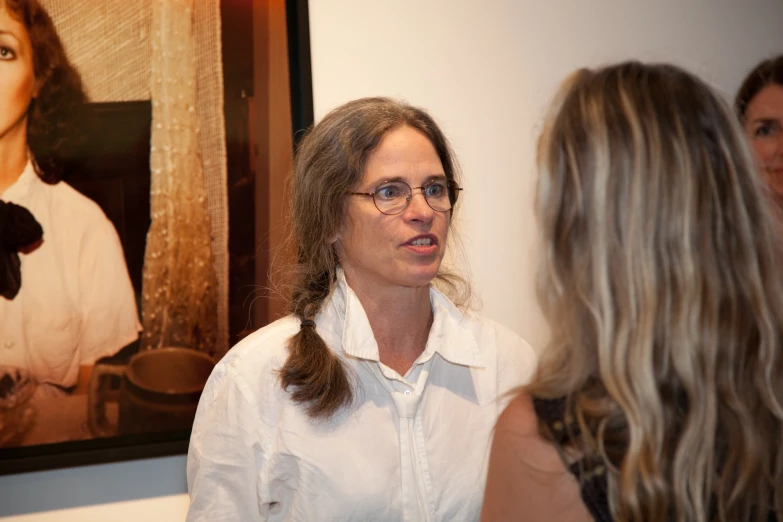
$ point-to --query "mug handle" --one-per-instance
(96, 398)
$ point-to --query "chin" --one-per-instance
(421, 276)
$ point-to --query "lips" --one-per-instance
(422, 245)
(422, 241)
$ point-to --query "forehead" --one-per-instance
(404, 153)
(11, 25)
(767, 104)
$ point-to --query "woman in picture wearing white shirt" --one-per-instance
(375, 399)
(76, 302)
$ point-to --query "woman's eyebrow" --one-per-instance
(9, 33)
(765, 120)
(431, 177)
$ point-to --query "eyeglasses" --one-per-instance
(392, 197)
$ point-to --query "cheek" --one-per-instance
(766, 149)
(776, 184)
(359, 235)
(16, 90)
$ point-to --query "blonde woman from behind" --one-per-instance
(660, 395)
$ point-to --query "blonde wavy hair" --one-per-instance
(662, 281)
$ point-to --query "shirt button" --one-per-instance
(407, 392)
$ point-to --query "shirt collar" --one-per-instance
(450, 335)
(21, 186)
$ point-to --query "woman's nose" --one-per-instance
(418, 208)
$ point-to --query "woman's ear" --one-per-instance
(337, 236)
(340, 232)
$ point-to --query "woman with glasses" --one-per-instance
(376, 397)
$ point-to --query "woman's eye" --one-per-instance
(436, 189)
(766, 129)
(6, 53)
(763, 130)
(388, 192)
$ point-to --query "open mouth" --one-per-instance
(422, 241)
(423, 244)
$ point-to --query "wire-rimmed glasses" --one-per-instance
(392, 197)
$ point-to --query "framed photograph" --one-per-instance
(140, 400)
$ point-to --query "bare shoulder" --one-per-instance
(527, 478)
(519, 418)
(517, 436)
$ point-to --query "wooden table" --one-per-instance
(62, 419)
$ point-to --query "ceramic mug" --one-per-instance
(157, 390)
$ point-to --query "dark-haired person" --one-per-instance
(660, 396)
(376, 397)
(75, 303)
(759, 105)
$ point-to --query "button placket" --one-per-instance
(406, 402)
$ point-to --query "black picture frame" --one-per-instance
(136, 115)
(300, 68)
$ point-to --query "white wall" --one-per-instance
(486, 70)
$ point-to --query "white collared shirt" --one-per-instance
(76, 303)
(412, 448)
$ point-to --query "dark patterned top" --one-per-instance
(590, 472)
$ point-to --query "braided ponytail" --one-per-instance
(318, 377)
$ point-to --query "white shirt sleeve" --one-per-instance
(107, 300)
(226, 460)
